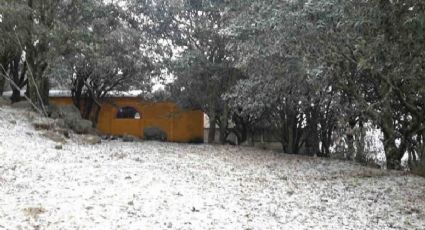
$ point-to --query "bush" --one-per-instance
(154, 133)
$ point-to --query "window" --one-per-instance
(128, 113)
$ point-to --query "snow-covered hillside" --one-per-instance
(151, 185)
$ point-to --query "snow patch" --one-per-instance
(155, 185)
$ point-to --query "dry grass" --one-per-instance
(34, 212)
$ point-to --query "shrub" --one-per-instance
(154, 133)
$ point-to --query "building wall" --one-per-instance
(180, 125)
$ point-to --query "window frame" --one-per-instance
(135, 112)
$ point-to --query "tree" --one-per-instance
(13, 27)
(367, 54)
(31, 32)
(106, 52)
(202, 67)
(39, 47)
(277, 45)
(201, 85)
(389, 51)
(97, 46)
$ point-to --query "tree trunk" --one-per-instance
(392, 153)
(16, 95)
(37, 53)
(290, 145)
(312, 137)
(420, 149)
(17, 74)
(3, 71)
(2, 84)
(350, 138)
(252, 137)
(224, 120)
(360, 143)
(88, 107)
(96, 115)
(2, 81)
(350, 145)
(241, 128)
(211, 130)
(39, 91)
(292, 132)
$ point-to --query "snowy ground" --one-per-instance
(152, 185)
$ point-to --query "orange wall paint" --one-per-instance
(180, 125)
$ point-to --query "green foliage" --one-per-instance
(201, 64)
(91, 46)
(308, 70)
(362, 59)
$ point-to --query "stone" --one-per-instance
(92, 139)
(71, 117)
(154, 133)
(54, 137)
(61, 123)
(43, 123)
(129, 138)
(80, 126)
(63, 132)
(64, 111)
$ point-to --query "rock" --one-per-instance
(71, 117)
(232, 139)
(54, 137)
(43, 123)
(92, 139)
(80, 126)
(64, 112)
(58, 147)
(129, 138)
(4, 101)
(22, 105)
(61, 123)
(154, 133)
(106, 137)
(63, 132)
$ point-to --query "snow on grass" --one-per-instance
(151, 185)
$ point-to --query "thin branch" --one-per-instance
(33, 80)
(12, 83)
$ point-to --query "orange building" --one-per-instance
(131, 115)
